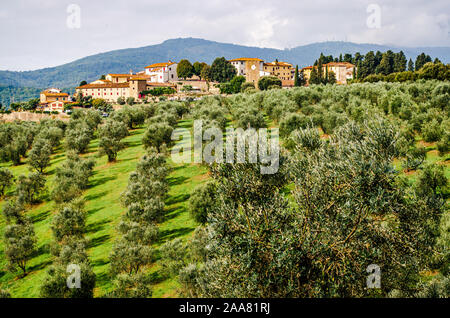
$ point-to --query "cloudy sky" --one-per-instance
(36, 34)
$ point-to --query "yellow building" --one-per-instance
(284, 71)
(53, 99)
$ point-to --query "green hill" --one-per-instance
(122, 61)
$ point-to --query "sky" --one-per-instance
(46, 33)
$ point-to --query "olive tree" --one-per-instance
(111, 135)
(28, 188)
(157, 134)
(39, 156)
(6, 180)
(202, 201)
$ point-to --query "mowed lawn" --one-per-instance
(104, 209)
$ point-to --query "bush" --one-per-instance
(130, 101)
(415, 158)
(121, 100)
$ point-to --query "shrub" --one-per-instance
(121, 100)
(130, 101)
(415, 158)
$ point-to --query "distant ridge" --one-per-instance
(121, 61)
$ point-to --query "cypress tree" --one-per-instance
(411, 65)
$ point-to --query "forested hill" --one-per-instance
(122, 61)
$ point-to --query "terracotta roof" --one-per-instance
(307, 68)
(275, 63)
(161, 85)
(160, 64)
(107, 85)
(48, 94)
(120, 75)
(246, 59)
(347, 64)
(139, 78)
(56, 101)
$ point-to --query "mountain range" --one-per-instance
(122, 61)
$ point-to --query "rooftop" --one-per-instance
(246, 59)
(51, 94)
(156, 65)
(120, 75)
(106, 85)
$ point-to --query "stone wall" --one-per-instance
(27, 116)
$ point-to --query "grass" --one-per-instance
(104, 211)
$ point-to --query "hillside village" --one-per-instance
(164, 78)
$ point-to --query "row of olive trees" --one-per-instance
(19, 237)
(138, 229)
(68, 227)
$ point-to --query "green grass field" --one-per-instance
(104, 210)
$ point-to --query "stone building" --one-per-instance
(251, 68)
(283, 70)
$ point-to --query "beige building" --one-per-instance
(53, 99)
(118, 78)
(110, 89)
(251, 68)
(342, 70)
(284, 71)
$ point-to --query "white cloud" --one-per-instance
(34, 33)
